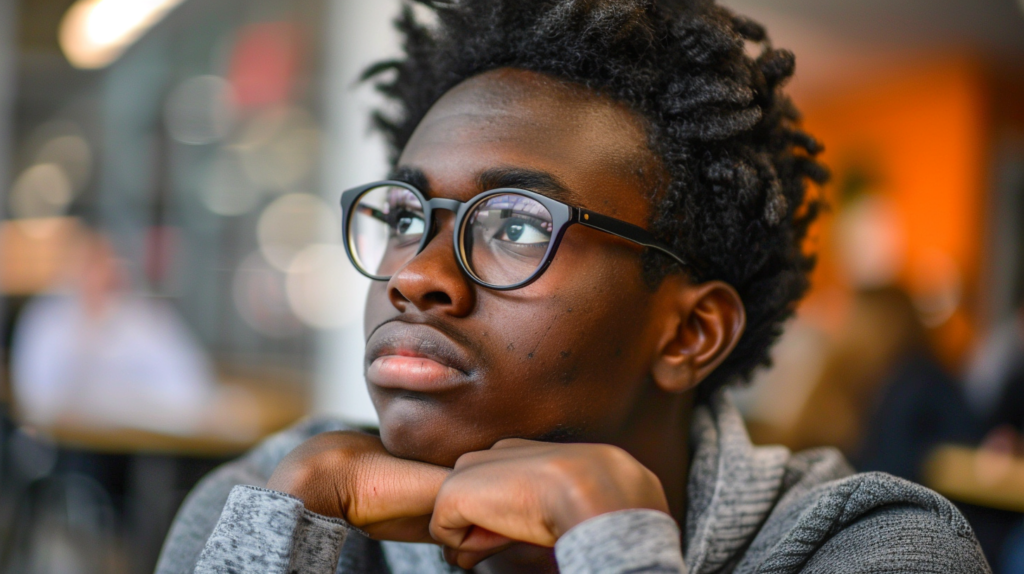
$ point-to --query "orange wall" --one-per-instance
(925, 131)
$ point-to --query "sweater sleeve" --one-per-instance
(620, 542)
(265, 531)
(205, 510)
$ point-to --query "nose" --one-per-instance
(433, 281)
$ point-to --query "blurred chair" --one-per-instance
(995, 385)
(64, 523)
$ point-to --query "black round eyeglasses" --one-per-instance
(504, 238)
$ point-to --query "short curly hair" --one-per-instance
(734, 201)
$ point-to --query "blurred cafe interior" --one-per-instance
(173, 288)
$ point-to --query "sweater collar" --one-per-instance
(733, 486)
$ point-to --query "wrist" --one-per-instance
(321, 487)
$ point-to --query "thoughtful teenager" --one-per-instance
(594, 224)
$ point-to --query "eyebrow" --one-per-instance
(534, 180)
(495, 178)
(414, 176)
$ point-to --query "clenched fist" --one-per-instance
(534, 492)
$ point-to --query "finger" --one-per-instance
(469, 560)
(392, 489)
(506, 449)
(488, 498)
(507, 443)
(449, 535)
(415, 530)
(481, 540)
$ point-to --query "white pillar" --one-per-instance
(359, 33)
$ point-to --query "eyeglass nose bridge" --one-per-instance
(452, 205)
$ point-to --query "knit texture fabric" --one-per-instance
(750, 509)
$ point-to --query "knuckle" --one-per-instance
(617, 457)
(561, 467)
(512, 443)
(470, 459)
(436, 532)
(446, 495)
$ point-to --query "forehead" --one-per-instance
(508, 118)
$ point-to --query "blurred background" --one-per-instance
(172, 288)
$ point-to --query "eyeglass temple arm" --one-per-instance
(627, 231)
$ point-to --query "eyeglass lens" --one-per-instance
(504, 239)
(385, 229)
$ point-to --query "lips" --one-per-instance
(415, 357)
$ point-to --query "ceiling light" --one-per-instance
(94, 33)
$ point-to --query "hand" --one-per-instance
(534, 492)
(350, 475)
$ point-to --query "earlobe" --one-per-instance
(705, 323)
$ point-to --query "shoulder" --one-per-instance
(900, 538)
(870, 522)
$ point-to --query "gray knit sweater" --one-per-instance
(751, 509)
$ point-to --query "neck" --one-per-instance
(658, 437)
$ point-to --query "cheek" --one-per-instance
(378, 307)
(579, 342)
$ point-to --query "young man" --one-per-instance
(594, 224)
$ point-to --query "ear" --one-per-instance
(702, 325)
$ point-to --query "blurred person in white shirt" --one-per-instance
(92, 353)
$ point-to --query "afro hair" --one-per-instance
(707, 84)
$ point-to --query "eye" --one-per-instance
(408, 223)
(523, 233)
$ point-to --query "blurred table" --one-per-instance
(261, 409)
(983, 478)
(160, 469)
(134, 441)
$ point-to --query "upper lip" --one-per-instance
(416, 340)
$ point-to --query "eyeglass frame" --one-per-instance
(562, 214)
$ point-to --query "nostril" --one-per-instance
(438, 298)
(397, 298)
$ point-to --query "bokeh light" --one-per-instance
(225, 189)
(260, 298)
(73, 154)
(94, 33)
(293, 222)
(279, 147)
(43, 190)
(265, 63)
(324, 290)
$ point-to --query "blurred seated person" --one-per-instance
(918, 405)
(996, 379)
(92, 353)
(995, 385)
(879, 395)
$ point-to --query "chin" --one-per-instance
(415, 430)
